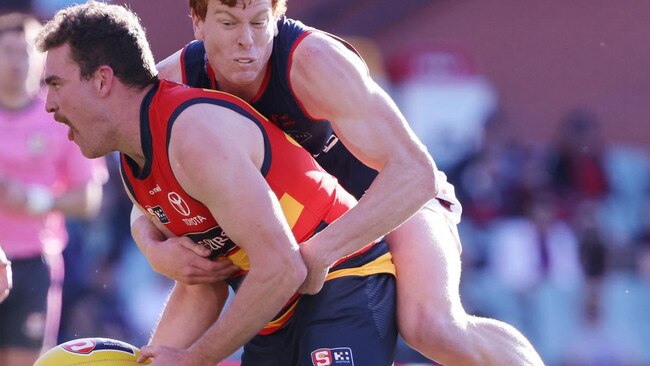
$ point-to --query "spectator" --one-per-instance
(577, 162)
(42, 178)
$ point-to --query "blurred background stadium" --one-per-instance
(537, 112)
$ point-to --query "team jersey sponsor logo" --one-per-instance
(214, 239)
(331, 141)
(159, 213)
(155, 190)
(300, 136)
(341, 356)
(88, 345)
(178, 203)
(194, 221)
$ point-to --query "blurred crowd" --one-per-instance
(556, 240)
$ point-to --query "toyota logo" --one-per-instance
(178, 203)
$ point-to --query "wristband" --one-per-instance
(39, 200)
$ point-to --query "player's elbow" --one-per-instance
(429, 176)
(423, 173)
(298, 272)
(289, 271)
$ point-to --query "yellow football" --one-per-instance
(90, 352)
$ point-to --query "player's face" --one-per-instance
(238, 42)
(14, 60)
(72, 101)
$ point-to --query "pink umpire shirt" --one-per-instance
(35, 150)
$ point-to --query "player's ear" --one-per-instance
(197, 26)
(103, 79)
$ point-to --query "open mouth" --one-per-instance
(65, 121)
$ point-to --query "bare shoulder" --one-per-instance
(347, 83)
(319, 48)
(170, 68)
(206, 125)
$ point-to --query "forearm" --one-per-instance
(144, 232)
(394, 196)
(258, 300)
(188, 313)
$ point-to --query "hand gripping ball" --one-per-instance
(91, 352)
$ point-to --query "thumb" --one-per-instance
(198, 249)
(147, 352)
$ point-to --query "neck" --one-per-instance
(244, 91)
(127, 115)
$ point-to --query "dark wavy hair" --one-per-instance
(102, 34)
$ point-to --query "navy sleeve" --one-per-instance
(194, 64)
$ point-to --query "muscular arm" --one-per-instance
(177, 258)
(223, 172)
(179, 327)
(372, 128)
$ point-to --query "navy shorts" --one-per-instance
(351, 321)
(23, 313)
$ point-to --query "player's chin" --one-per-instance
(92, 153)
(245, 76)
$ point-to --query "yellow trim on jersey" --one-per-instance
(240, 259)
(383, 264)
(291, 140)
(279, 322)
(291, 209)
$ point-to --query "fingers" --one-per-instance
(196, 248)
(146, 353)
(309, 290)
(313, 284)
(220, 267)
(197, 270)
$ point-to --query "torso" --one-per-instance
(278, 102)
(309, 197)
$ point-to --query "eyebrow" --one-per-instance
(50, 79)
(227, 12)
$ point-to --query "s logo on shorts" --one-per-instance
(341, 356)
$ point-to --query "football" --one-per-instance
(91, 351)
